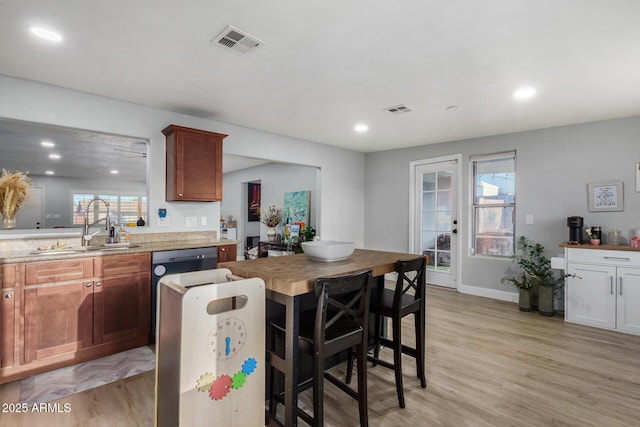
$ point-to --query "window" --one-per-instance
(494, 204)
(123, 207)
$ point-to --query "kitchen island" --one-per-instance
(288, 279)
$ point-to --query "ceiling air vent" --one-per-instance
(236, 40)
(399, 109)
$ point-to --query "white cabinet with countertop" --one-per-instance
(606, 290)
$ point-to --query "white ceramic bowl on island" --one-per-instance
(328, 250)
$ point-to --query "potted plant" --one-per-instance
(271, 218)
(536, 280)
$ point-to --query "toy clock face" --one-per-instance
(227, 339)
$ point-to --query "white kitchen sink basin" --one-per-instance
(328, 250)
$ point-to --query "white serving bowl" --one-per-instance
(328, 250)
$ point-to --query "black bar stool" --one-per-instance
(338, 324)
(396, 304)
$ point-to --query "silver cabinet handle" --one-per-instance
(620, 279)
(88, 285)
(611, 284)
(8, 296)
(98, 284)
(617, 258)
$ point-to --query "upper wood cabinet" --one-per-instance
(194, 164)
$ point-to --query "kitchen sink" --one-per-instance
(82, 250)
(58, 251)
(111, 248)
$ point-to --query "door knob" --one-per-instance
(454, 231)
(455, 221)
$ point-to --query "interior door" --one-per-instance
(435, 227)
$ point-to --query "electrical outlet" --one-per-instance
(528, 219)
(191, 221)
(203, 220)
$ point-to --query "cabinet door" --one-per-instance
(122, 309)
(57, 319)
(628, 294)
(7, 327)
(227, 253)
(591, 299)
(194, 164)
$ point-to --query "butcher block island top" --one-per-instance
(296, 274)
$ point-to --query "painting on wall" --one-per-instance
(296, 207)
(253, 202)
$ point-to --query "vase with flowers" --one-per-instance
(271, 218)
(14, 190)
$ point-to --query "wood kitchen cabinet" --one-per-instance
(122, 304)
(73, 310)
(227, 253)
(11, 277)
(194, 164)
(606, 291)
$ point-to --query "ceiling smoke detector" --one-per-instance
(236, 40)
(399, 109)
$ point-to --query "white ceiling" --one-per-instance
(327, 65)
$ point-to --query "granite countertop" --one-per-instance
(22, 251)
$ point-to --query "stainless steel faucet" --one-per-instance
(86, 237)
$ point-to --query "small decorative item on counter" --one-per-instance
(14, 190)
(271, 218)
(594, 234)
(613, 238)
(634, 242)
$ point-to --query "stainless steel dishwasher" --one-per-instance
(173, 262)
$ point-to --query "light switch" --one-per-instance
(203, 220)
(191, 221)
(528, 219)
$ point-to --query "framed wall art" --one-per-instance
(253, 202)
(606, 196)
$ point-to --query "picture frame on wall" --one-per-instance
(253, 201)
(606, 196)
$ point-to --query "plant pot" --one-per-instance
(524, 300)
(545, 300)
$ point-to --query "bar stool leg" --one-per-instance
(397, 358)
(420, 339)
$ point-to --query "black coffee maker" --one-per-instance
(575, 224)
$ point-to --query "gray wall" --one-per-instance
(276, 179)
(553, 168)
(343, 170)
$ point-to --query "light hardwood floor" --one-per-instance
(487, 365)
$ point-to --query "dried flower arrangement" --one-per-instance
(271, 217)
(14, 190)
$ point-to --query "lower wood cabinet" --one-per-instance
(7, 327)
(69, 311)
(227, 253)
(57, 319)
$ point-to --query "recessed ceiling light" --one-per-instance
(361, 128)
(50, 172)
(54, 156)
(47, 144)
(46, 34)
(524, 93)
(114, 172)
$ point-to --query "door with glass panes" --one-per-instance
(435, 231)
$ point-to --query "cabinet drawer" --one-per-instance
(603, 257)
(123, 264)
(58, 271)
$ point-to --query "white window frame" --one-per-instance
(474, 207)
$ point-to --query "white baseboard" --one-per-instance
(489, 293)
